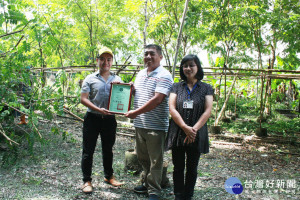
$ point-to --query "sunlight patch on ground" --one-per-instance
(220, 145)
(110, 195)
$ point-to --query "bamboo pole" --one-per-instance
(242, 73)
(295, 74)
(141, 65)
(126, 134)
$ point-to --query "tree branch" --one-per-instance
(52, 32)
(85, 14)
(15, 31)
(10, 33)
(14, 108)
(124, 66)
(4, 54)
(3, 133)
(72, 114)
(36, 129)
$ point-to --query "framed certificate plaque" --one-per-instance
(119, 98)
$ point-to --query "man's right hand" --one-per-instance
(104, 111)
(131, 114)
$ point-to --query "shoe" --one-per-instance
(87, 187)
(141, 189)
(112, 181)
(153, 197)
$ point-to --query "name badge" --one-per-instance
(188, 104)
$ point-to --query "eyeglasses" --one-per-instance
(186, 66)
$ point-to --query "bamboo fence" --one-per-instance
(208, 71)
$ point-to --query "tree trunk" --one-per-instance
(267, 103)
(91, 35)
(219, 96)
(167, 57)
(235, 101)
(261, 100)
(259, 63)
(225, 82)
(146, 24)
(225, 66)
(179, 36)
(44, 75)
(131, 162)
(225, 103)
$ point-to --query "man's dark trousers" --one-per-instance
(93, 125)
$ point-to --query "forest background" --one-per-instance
(51, 45)
(57, 34)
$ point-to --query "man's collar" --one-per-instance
(158, 69)
(98, 73)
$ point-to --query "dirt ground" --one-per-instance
(268, 168)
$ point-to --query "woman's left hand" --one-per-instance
(190, 134)
(189, 140)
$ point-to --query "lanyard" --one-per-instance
(189, 92)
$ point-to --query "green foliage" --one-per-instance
(59, 33)
(21, 88)
(276, 124)
(10, 157)
(126, 77)
(63, 33)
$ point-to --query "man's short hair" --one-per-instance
(154, 46)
